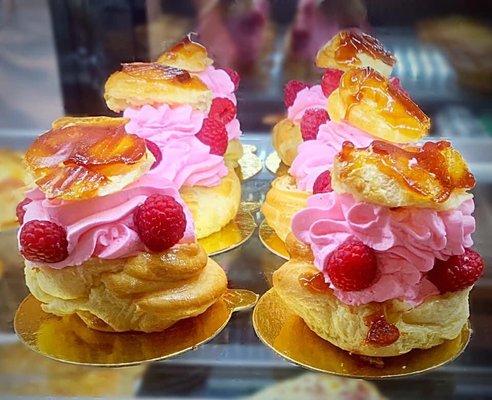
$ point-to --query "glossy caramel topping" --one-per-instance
(75, 160)
(350, 43)
(434, 170)
(315, 282)
(155, 71)
(381, 332)
(186, 54)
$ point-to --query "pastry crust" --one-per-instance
(187, 55)
(351, 49)
(213, 207)
(437, 319)
(282, 201)
(148, 292)
(138, 84)
(234, 153)
(286, 136)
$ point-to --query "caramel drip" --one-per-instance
(381, 332)
(365, 84)
(433, 170)
(155, 71)
(352, 42)
(315, 282)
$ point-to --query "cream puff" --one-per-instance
(347, 50)
(186, 110)
(377, 276)
(362, 106)
(105, 237)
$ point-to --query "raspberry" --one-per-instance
(213, 133)
(234, 75)
(457, 272)
(222, 110)
(352, 266)
(156, 152)
(322, 184)
(311, 121)
(382, 333)
(330, 80)
(290, 91)
(43, 241)
(160, 222)
(20, 211)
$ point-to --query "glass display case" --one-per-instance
(55, 57)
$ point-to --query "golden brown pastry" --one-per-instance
(148, 292)
(286, 136)
(372, 103)
(186, 55)
(282, 201)
(137, 84)
(213, 207)
(432, 176)
(429, 324)
(353, 49)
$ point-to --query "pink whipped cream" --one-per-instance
(311, 97)
(188, 162)
(103, 226)
(406, 241)
(317, 156)
(162, 123)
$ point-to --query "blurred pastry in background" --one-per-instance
(186, 110)
(106, 237)
(315, 386)
(343, 107)
(26, 373)
(14, 181)
(468, 44)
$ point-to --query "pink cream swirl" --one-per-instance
(406, 241)
(317, 156)
(103, 226)
(311, 97)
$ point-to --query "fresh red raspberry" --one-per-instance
(234, 75)
(311, 121)
(214, 134)
(290, 91)
(156, 152)
(160, 222)
(20, 211)
(352, 266)
(43, 241)
(330, 80)
(222, 110)
(322, 184)
(457, 272)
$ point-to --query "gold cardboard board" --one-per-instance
(289, 336)
(69, 340)
(271, 241)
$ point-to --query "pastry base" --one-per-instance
(289, 336)
(69, 340)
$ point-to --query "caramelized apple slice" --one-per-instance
(372, 103)
(187, 55)
(434, 175)
(85, 157)
(138, 84)
(353, 49)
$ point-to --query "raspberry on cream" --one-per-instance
(407, 241)
(316, 156)
(103, 227)
(310, 97)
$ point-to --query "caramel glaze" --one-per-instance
(353, 42)
(393, 102)
(314, 282)
(381, 332)
(187, 47)
(433, 170)
(155, 71)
